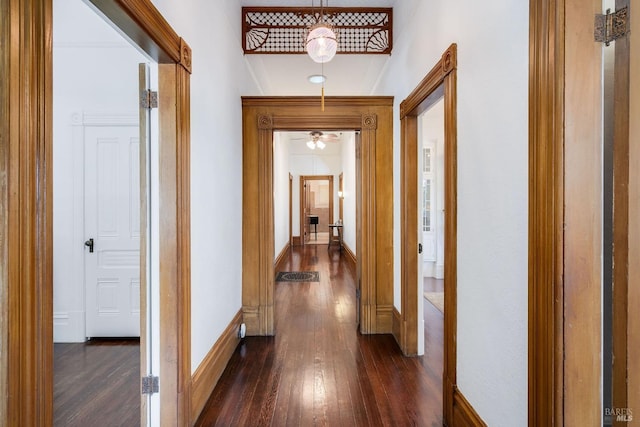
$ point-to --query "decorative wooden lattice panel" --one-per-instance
(273, 30)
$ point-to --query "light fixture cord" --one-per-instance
(322, 97)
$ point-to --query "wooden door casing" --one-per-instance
(26, 321)
(372, 116)
(440, 81)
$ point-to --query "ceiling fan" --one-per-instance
(319, 139)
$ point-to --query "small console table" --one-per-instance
(335, 239)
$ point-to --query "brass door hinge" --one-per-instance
(611, 26)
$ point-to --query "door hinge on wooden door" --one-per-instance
(150, 384)
(148, 99)
(611, 26)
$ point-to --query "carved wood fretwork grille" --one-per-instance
(283, 30)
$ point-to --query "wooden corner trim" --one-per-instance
(265, 122)
(206, 377)
(185, 55)
(449, 59)
(369, 121)
(447, 63)
(463, 413)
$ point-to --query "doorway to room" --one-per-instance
(439, 85)
(316, 208)
(101, 148)
(431, 226)
(372, 117)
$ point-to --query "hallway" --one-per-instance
(318, 370)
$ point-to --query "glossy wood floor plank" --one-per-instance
(97, 383)
(318, 370)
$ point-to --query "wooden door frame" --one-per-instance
(26, 191)
(290, 209)
(373, 117)
(564, 214)
(304, 178)
(439, 82)
(341, 196)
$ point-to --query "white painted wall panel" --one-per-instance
(492, 40)
(220, 77)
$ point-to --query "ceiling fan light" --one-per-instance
(322, 43)
(311, 145)
(321, 145)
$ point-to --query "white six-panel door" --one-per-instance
(112, 220)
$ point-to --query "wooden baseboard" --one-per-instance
(384, 319)
(205, 378)
(296, 241)
(396, 328)
(281, 255)
(463, 413)
(350, 255)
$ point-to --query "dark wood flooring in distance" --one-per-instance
(318, 371)
(97, 384)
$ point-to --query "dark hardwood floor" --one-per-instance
(97, 383)
(318, 370)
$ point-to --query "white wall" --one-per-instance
(492, 40)
(219, 78)
(349, 185)
(280, 192)
(94, 70)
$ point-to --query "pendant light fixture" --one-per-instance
(321, 44)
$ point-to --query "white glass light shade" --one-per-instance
(311, 145)
(320, 144)
(321, 43)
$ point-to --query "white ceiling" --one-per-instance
(282, 75)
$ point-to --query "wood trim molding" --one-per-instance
(304, 178)
(463, 413)
(206, 376)
(546, 198)
(26, 245)
(623, 186)
(396, 327)
(289, 102)
(146, 27)
(293, 113)
(439, 82)
(26, 197)
(564, 214)
(448, 62)
(582, 225)
(349, 255)
(175, 243)
(281, 256)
